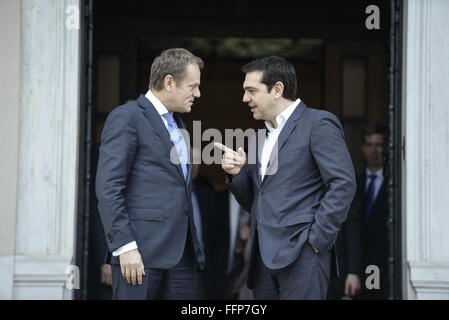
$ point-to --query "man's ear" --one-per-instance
(278, 89)
(169, 82)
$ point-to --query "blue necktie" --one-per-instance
(176, 138)
(369, 196)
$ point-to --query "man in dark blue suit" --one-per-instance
(364, 241)
(144, 186)
(299, 189)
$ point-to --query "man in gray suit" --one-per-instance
(144, 186)
(298, 190)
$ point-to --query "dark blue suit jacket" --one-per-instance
(142, 195)
(307, 196)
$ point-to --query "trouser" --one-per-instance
(307, 278)
(176, 283)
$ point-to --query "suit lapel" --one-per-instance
(153, 116)
(186, 138)
(289, 126)
(258, 155)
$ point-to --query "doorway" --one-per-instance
(342, 67)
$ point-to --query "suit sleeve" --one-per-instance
(337, 171)
(117, 151)
(242, 188)
(354, 237)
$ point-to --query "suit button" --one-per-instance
(109, 237)
(260, 192)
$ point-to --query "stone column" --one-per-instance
(9, 142)
(426, 108)
(48, 149)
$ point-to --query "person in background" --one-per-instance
(203, 195)
(99, 280)
(232, 248)
(364, 237)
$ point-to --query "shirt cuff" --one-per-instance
(127, 247)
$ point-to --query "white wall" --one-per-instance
(9, 141)
(426, 99)
(40, 119)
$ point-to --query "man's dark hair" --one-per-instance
(370, 129)
(275, 69)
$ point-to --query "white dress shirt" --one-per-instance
(161, 109)
(273, 135)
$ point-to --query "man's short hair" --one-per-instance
(171, 62)
(275, 69)
(369, 129)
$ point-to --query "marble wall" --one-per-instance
(426, 174)
(48, 149)
(9, 141)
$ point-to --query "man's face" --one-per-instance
(257, 96)
(372, 149)
(186, 90)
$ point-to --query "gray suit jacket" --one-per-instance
(142, 195)
(308, 197)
